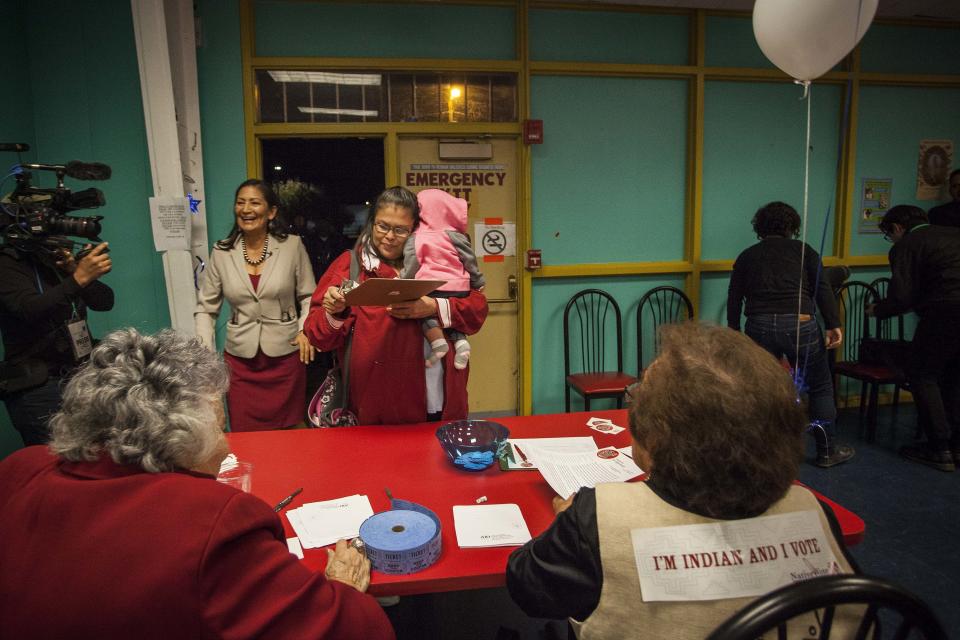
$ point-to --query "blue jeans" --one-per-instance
(777, 333)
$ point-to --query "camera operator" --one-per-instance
(44, 297)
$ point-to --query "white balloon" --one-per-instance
(806, 38)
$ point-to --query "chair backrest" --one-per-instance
(885, 327)
(660, 305)
(590, 319)
(852, 297)
(902, 612)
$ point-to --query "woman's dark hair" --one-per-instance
(275, 227)
(393, 196)
(906, 215)
(776, 219)
(720, 419)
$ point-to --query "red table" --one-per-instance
(407, 459)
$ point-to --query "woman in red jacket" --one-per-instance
(388, 381)
(119, 529)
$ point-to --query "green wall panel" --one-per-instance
(385, 30)
(549, 299)
(730, 43)
(753, 153)
(893, 121)
(904, 49)
(609, 36)
(610, 177)
(220, 77)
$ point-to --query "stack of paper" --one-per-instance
(318, 524)
(489, 525)
(567, 472)
(520, 451)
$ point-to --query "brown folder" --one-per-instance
(381, 292)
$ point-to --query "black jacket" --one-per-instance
(35, 304)
(768, 276)
(925, 266)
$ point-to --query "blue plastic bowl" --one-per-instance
(473, 445)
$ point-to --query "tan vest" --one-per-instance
(622, 613)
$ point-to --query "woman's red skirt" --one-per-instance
(266, 392)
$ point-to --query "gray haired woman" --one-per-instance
(122, 520)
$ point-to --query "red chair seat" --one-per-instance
(605, 382)
(876, 373)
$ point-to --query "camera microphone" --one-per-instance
(75, 169)
(88, 170)
(14, 146)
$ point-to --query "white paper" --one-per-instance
(293, 545)
(731, 559)
(567, 472)
(490, 525)
(318, 524)
(570, 444)
(170, 219)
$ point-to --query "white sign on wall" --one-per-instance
(170, 218)
(495, 239)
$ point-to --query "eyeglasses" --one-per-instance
(887, 236)
(384, 228)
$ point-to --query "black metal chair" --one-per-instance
(660, 305)
(885, 328)
(886, 605)
(852, 297)
(593, 317)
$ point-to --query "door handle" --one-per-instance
(511, 292)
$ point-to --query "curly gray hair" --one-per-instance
(146, 400)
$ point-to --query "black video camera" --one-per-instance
(36, 219)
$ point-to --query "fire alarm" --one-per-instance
(533, 259)
(533, 131)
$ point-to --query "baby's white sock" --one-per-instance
(462, 356)
(439, 348)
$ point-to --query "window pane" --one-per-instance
(369, 96)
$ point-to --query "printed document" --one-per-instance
(559, 445)
(567, 472)
(489, 525)
(318, 524)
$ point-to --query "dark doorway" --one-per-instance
(325, 186)
(338, 176)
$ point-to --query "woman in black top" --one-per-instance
(780, 304)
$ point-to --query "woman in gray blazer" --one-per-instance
(266, 277)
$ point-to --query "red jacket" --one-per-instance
(101, 550)
(386, 369)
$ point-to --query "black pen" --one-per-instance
(288, 499)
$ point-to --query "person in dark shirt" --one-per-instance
(739, 463)
(925, 267)
(948, 215)
(779, 277)
(43, 308)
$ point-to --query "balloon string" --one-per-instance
(803, 239)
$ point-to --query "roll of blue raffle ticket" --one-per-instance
(403, 540)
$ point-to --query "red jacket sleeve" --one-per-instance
(467, 314)
(317, 328)
(252, 587)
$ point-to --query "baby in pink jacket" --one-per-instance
(441, 250)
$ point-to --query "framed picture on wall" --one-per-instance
(933, 167)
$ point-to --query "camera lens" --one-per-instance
(83, 227)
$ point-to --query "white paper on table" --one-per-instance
(318, 524)
(628, 451)
(489, 525)
(293, 546)
(567, 472)
(571, 444)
